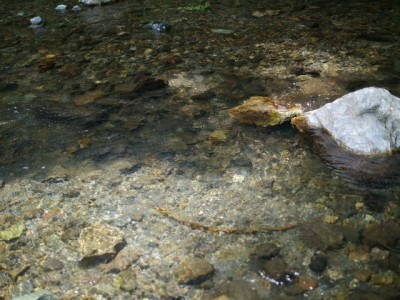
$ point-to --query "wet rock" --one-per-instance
(276, 271)
(237, 290)
(7, 86)
(318, 263)
(382, 279)
(159, 26)
(365, 122)
(96, 2)
(322, 237)
(12, 232)
(193, 270)
(89, 97)
(5, 279)
(192, 110)
(359, 255)
(380, 256)
(100, 243)
(141, 85)
(22, 288)
(51, 264)
(362, 275)
(46, 64)
(385, 234)
(375, 37)
(306, 283)
(264, 252)
(265, 111)
(40, 295)
(124, 259)
(218, 136)
(69, 113)
(146, 84)
(203, 95)
(126, 281)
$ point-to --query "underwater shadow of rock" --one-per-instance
(358, 171)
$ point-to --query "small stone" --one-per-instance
(137, 216)
(95, 2)
(265, 111)
(39, 295)
(100, 240)
(124, 259)
(237, 289)
(12, 232)
(276, 269)
(383, 279)
(331, 219)
(334, 275)
(61, 7)
(362, 275)
(222, 31)
(36, 21)
(318, 263)
(385, 234)
(126, 281)
(218, 136)
(380, 255)
(306, 283)
(193, 270)
(359, 255)
(322, 237)
(89, 97)
(51, 264)
(191, 110)
(5, 279)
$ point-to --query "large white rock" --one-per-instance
(365, 122)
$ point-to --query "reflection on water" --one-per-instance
(98, 86)
(359, 171)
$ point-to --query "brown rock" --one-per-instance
(265, 111)
(306, 283)
(100, 240)
(276, 268)
(51, 264)
(193, 270)
(362, 275)
(126, 281)
(124, 259)
(384, 234)
(322, 237)
(89, 97)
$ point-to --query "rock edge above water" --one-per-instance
(265, 111)
(365, 122)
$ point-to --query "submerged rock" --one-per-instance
(13, 232)
(95, 2)
(100, 243)
(365, 122)
(265, 111)
(193, 270)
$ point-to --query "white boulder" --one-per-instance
(365, 122)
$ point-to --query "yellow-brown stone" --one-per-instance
(265, 111)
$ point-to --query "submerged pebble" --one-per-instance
(36, 21)
(159, 26)
(61, 7)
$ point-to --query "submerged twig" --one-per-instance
(223, 229)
